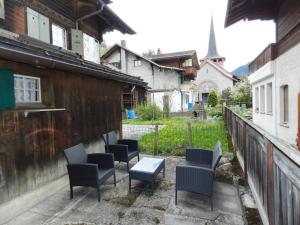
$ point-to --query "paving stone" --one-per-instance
(119, 207)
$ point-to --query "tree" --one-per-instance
(212, 98)
(226, 96)
(242, 92)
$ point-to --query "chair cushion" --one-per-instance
(110, 138)
(195, 164)
(76, 154)
(216, 155)
(104, 174)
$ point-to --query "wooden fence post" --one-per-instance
(190, 140)
(156, 140)
(245, 149)
(270, 184)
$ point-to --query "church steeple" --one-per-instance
(212, 53)
(212, 46)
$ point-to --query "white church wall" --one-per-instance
(214, 78)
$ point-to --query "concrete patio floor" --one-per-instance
(118, 207)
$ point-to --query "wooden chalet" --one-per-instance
(54, 93)
(186, 60)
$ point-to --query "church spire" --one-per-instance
(212, 46)
(212, 53)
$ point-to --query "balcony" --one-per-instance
(191, 72)
(267, 55)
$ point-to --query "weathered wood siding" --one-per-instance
(267, 55)
(61, 12)
(31, 147)
(272, 170)
(288, 18)
(14, 17)
(63, 7)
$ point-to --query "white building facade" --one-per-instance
(275, 88)
(164, 81)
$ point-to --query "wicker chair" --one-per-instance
(124, 150)
(197, 173)
(88, 170)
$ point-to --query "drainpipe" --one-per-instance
(91, 14)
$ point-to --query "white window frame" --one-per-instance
(262, 92)
(256, 94)
(269, 96)
(64, 38)
(95, 57)
(284, 107)
(25, 89)
(137, 63)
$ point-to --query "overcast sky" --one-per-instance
(177, 25)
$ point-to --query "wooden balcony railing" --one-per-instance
(272, 169)
(267, 55)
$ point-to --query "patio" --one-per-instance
(119, 207)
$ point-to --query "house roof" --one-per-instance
(176, 55)
(219, 68)
(250, 9)
(116, 46)
(173, 55)
(114, 21)
(42, 55)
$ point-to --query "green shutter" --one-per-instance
(7, 91)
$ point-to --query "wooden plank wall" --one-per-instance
(61, 12)
(31, 147)
(274, 178)
(288, 18)
(14, 17)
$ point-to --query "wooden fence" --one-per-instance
(271, 167)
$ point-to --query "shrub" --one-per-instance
(215, 112)
(212, 98)
(147, 111)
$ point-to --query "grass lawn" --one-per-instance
(173, 139)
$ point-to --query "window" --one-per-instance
(116, 64)
(2, 9)
(38, 26)
(256, 99)
(187, 99)
(137, 63)
(262, 99)
(284, 100)
(59, 36)
(269, 99)
(187, 63)
(27, 89)
(91, 48)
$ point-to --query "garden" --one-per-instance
(180, 133)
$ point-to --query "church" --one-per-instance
(211, 75)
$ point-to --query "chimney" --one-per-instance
(158, 51)
(123, 43)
